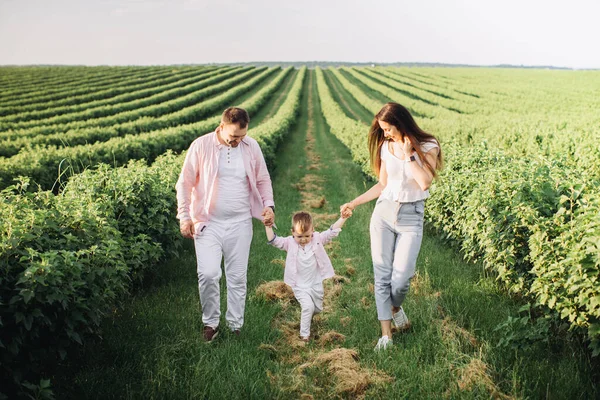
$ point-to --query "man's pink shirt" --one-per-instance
(197, 182)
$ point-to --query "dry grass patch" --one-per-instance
(365, 302)
(340, 279)
(278, 261)
(451, 332)
(313, 201)
(476, 374)
(331, 337)
(350, 378)
(332, 290)
(274, 291)
(324, 221)
(349, 268)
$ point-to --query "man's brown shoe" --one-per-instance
(237, 332)
(209, 333)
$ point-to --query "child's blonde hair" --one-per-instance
(302, 222)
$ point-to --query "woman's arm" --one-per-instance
(370, 194)
(421, 174)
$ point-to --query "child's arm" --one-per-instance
(270, 233)
(333, 231)
(276, 241)
(339, 223)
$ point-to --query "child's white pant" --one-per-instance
(311, 302)
(231, 241)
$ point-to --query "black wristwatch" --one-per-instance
(412, 158)
(273, 208)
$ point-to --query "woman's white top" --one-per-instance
(401, 185)
(232, 191)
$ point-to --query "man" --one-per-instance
(224, 182)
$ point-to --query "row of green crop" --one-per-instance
(209, 87)
(69, 258)
(431, 81)
(417, 93)
(269, 133)
(77, 96)
(13, 78)
(153, 86)
(432, 89)
(46, 166)
(96, 84)
(536, 223)
(101, 115)
(63, 143)
(550, 129)
(24, 85)
(418, 108)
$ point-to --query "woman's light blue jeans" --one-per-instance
(396, 235)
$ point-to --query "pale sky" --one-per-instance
(147, 32)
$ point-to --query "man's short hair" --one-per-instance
(236, 115)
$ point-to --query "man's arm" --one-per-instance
(188, 178)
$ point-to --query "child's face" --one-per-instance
(304, 237)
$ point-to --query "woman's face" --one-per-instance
(390, 131)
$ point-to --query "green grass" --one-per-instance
(152, 347)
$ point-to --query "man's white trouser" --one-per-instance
(311, 302)
(231, 241)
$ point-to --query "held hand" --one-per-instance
(187, 228)
(346, 210)
(268, 216)
(347, 213)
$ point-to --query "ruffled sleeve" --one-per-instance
(427, 146)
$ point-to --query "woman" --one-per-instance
(405, 159)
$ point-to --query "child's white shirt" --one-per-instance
(308, 273)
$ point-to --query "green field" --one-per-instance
(99, 293)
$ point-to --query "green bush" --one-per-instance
(66, 260)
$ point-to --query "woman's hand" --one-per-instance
(407, 146)
(346, 210)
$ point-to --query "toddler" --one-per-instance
(306, 264)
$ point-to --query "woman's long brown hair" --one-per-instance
(398, 116)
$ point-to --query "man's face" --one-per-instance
(231, 134)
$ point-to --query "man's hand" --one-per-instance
(268, 216)
(187, 228)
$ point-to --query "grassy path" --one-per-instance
(152, 348)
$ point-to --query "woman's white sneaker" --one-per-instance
(401, 321)
(383, 343)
